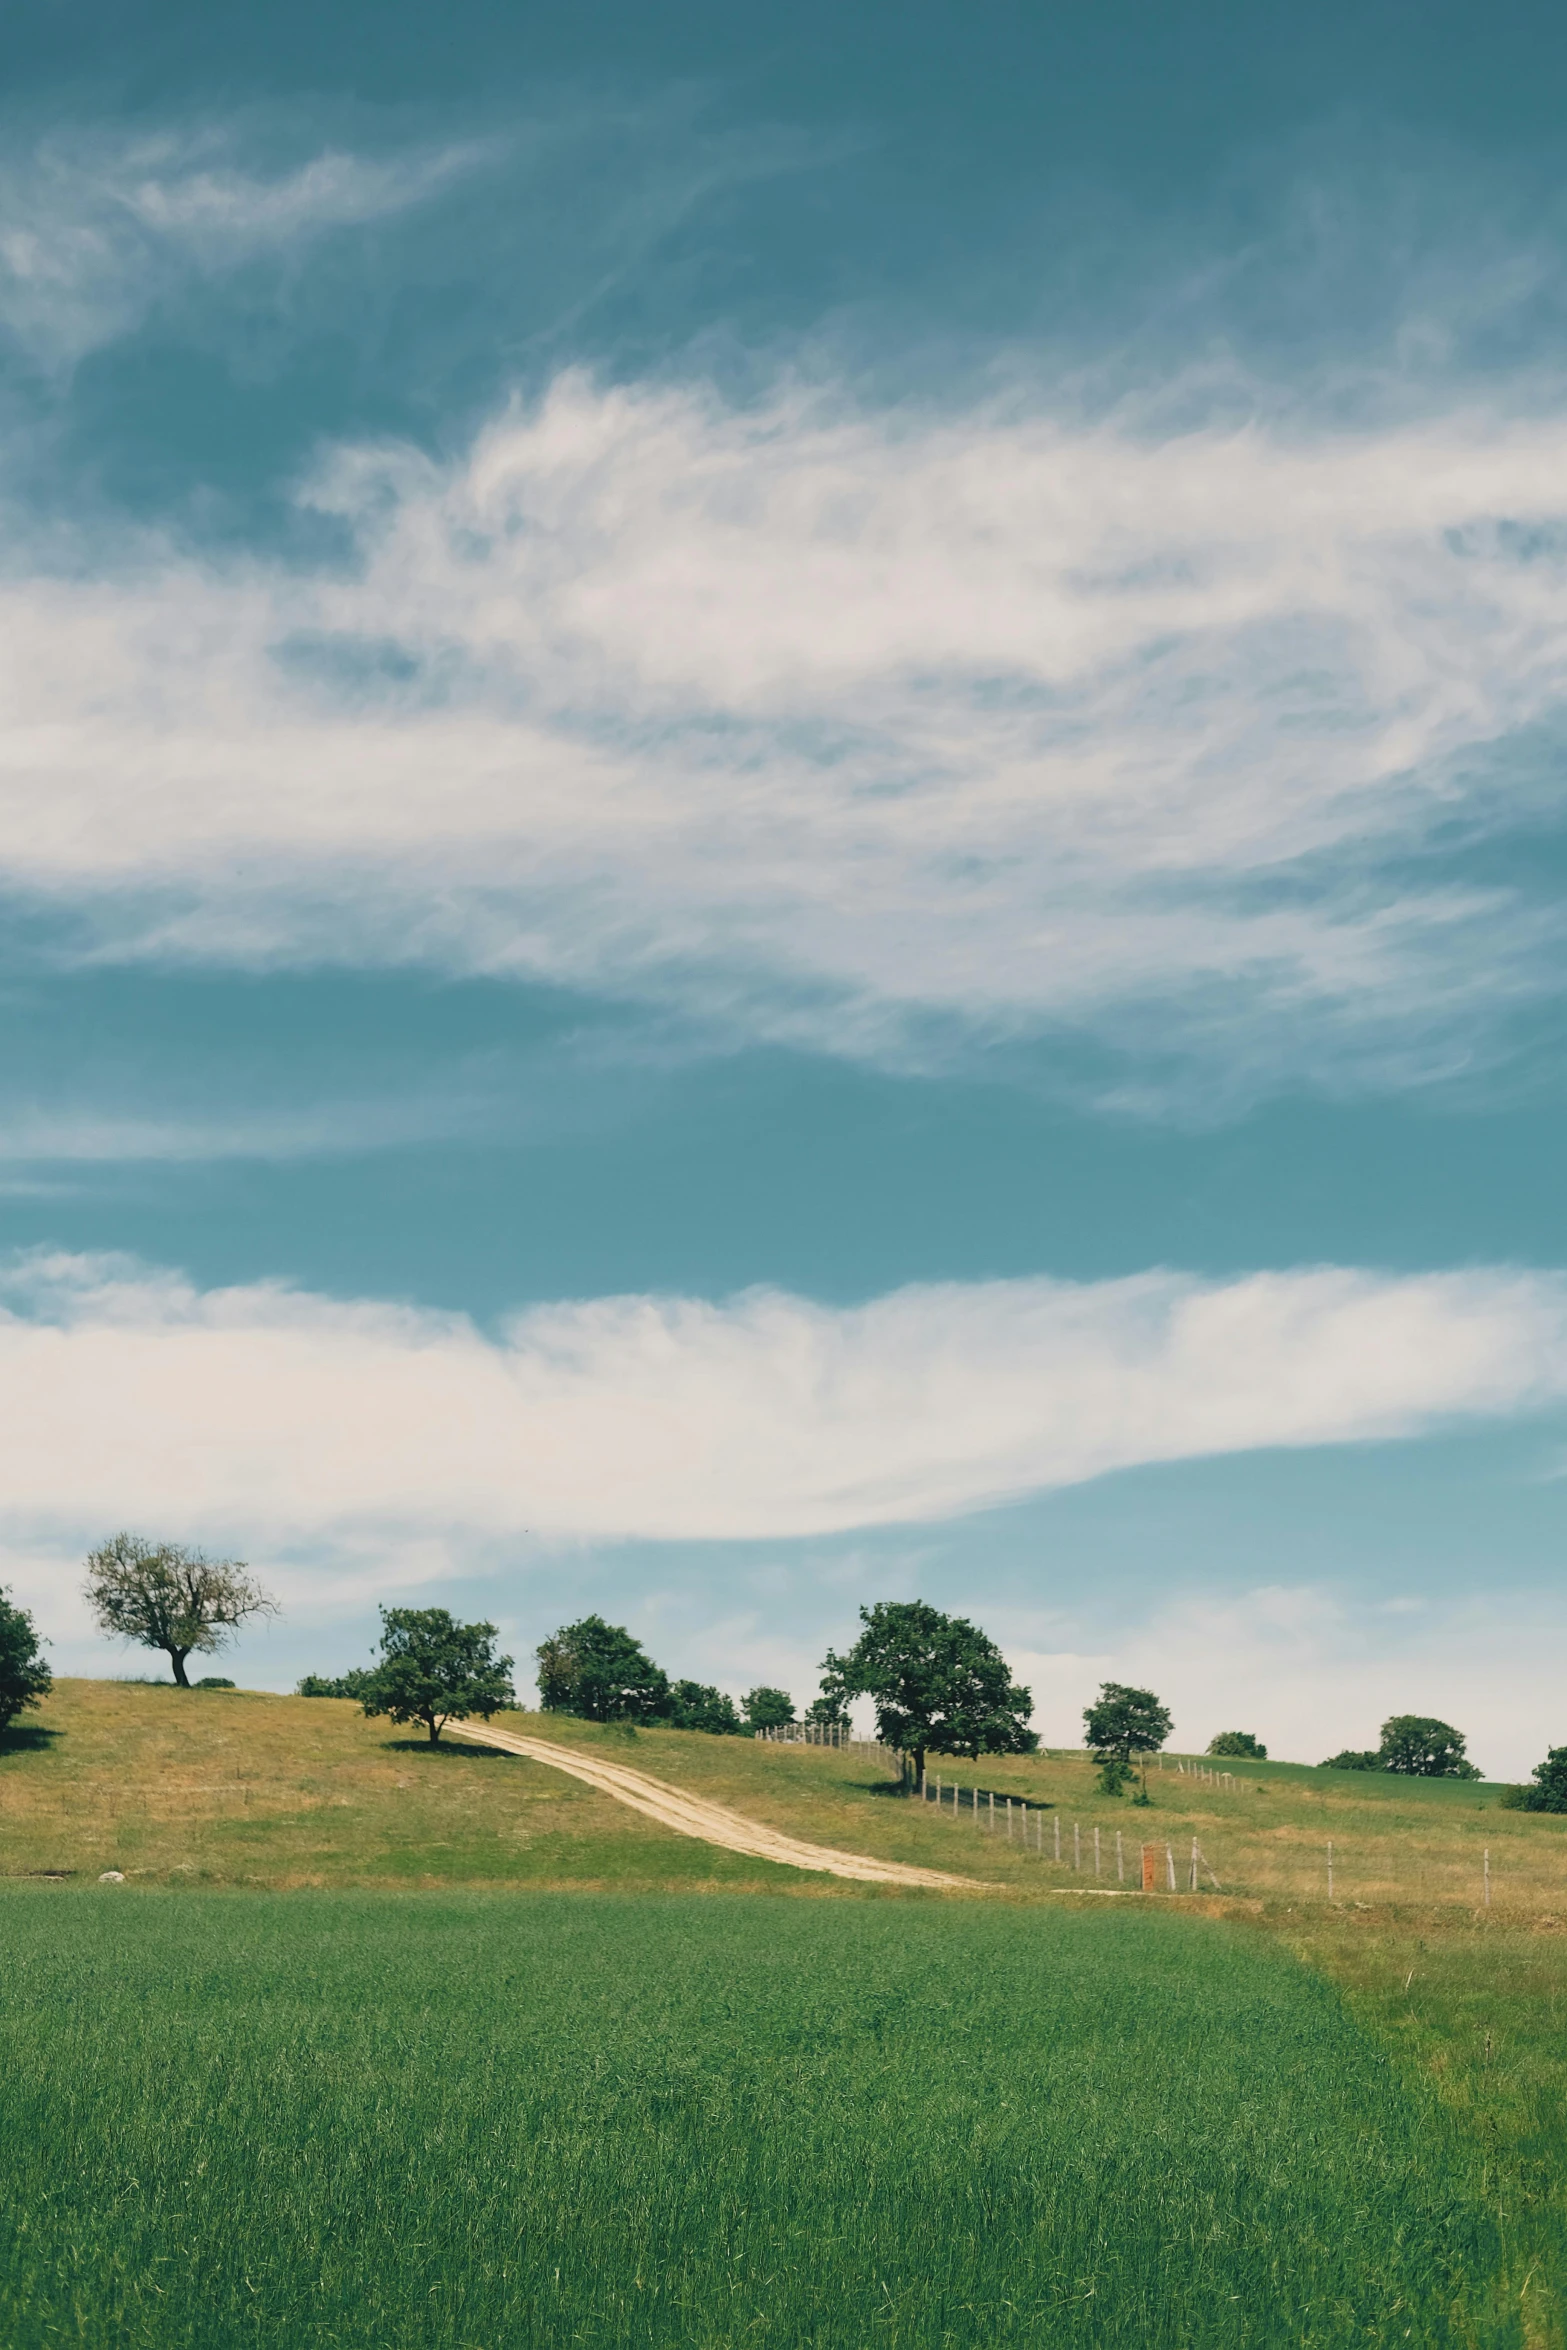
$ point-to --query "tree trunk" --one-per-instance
(177, 1658)
(435, 1728)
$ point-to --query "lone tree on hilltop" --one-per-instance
(941, 1686)
(1417, 1746)
(601, 1673)
(767, 1709)
(1423, 1748)
(162, 1595)
(24, 1677)
(1123, 1725)
(1238, 1742)
(434, 1670)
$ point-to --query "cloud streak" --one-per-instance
(99, 228)
(270, 1414)
(860, 730)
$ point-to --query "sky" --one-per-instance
(781, 823)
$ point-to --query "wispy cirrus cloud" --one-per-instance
(98, 227)
(858, 728)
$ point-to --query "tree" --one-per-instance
(24, 1677)
(162, 1595)
(1549, 1792)
(1420, 1747)
(434, 1670)
(1238, 1742)
(828, 1712)
(940, 1685)
(694, 1705)
(598, 1671)
(767, 1709)
(1353, 1758)
(1122, 1725)
(349, 1684)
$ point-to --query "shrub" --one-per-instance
(1238, 1742)
(349, 1684)
(1549, 1792)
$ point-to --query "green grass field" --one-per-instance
(482, 2120)
(384, 2045)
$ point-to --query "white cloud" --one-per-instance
(96, 229)
(840, 724)
(1311, 1670)
(267, 1415)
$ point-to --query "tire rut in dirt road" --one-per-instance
(713, 1823)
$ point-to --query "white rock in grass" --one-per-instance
(112, 1877)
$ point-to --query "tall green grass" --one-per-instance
(483, 2121)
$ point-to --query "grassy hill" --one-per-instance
(240, 1788)
(1242, 2119)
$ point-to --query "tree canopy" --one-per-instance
(1124, 1722)
(434, 1670)
(1421, 1747)
(940, 1685)
(1415, 1745)
(1238, 1742)
(24, 1676)
(1549, 1792)
(767, 1709)
(696, 1705)
(161, 1595)
(601, 1673)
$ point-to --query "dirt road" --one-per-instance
(691, 1815)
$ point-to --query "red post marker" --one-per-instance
(1150, 1863)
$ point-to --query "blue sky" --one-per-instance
(780, 821)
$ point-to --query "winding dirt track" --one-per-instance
(712, 1823)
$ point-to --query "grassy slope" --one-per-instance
(475, 2120)
(278, 1792)
(242, 1788)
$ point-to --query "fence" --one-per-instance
(824, 1734)
(1190, 1767)
(1024, 1827)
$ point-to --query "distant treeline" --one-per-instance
(602, 1673)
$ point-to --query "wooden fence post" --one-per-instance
(1058, 1839)
(1120, 1860)
(1148, 1868)
(1330, 1868)
(1169, 1862)
(1193, 1887)
(1077, 1846)
(1097, 1870)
